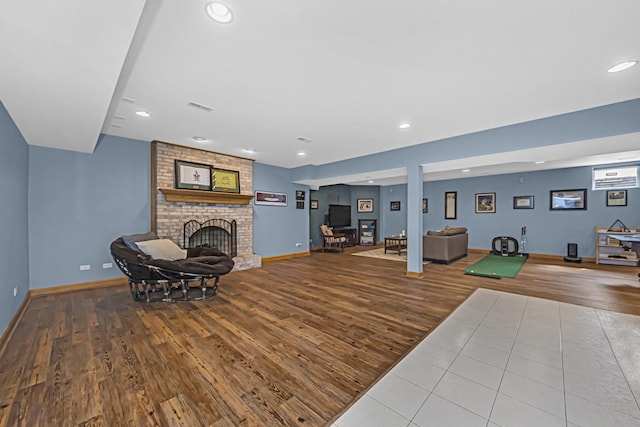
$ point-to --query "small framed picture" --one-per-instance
(616, 197)
(270, 199)
(522, 202)
(395, 206)
(300, 194)
(226, 181)
(485, 202)
(313, 204)
(299, 204)
(450, 205)
(365, 205)
(192, 176)
(563, 200)
(425, 205)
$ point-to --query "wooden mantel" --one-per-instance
(209, 197)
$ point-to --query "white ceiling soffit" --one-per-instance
(582, 153)
(61, 61)
(344, 77)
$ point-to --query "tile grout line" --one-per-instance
(505, 368)
(564, 385)
(616, 357)
(455, 358)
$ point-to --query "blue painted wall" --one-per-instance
(341, 195)
(548, 232)
(277, 229)
(393, 222)
(14, 249)
(79, 203)
(327, 195)
(366, 192)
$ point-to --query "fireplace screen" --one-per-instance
(217, 233)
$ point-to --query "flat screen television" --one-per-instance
(339, 216)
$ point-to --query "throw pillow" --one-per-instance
(452, 231)
(131, 239)
(162, 249)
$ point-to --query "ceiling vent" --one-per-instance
(128, 100)
(303, 139)
(200, 106)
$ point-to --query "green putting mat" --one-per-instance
(497, 266)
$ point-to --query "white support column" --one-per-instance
(414, 220)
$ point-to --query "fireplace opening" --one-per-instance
(217, 233)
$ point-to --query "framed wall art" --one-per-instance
(192, 176)
(485, 202)
(226, 181)
(395, 206)
(450, 205)
(365, 205)
(270, 198)
(563, 200)
(522, 202)
(616, 197)
(313, 204)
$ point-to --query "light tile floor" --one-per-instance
(503, 360)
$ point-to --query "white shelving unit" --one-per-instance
(609, 250)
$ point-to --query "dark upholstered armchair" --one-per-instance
(183, 275)
(331, 240)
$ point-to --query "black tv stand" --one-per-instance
(348, 232)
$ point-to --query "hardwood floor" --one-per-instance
(292, 343)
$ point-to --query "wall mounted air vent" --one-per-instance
(200, 106)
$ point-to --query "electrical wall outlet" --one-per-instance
(85, 267)
(107, 265)
(15, 291)
(298, 245)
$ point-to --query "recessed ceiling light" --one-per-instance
(302, 153)
(404, 125)
(199, 139)
(466, 170)
(249, 150)
(370, 181)
(143, 113)
(219, 12)
(539, 162)
(622, 66)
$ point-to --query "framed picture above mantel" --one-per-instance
(192, 176)
(225, 180)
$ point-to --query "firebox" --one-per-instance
(217, 233)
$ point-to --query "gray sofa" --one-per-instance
(445, 246)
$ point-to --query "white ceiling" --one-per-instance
(343, 74)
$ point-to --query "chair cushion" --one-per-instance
(326, 230)
(162, 249)
(131, 239)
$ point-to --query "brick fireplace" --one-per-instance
(168, 217)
